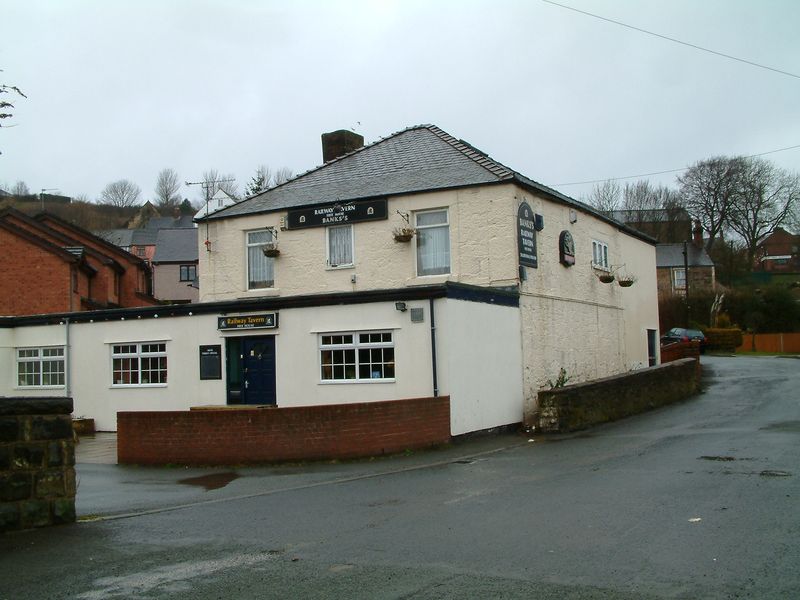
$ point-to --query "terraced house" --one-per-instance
(414, 267)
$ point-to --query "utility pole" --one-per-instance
(41, 195)
(207, 185)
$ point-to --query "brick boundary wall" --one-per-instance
(258, 435)
(37, 463)
(583, 405)
(679, 350)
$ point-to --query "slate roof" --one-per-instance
(176, 245)
(125, 238)
(671, 255)
(184, 221)
(417, 159)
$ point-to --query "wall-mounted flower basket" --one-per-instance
(606, 278)
(626, 282)
(271, 250)
(404, 234)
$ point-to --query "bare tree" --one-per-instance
(605, 196)
(167, 186)
(709, 188)
(214, 181)
(20, 189)
(5, 105)
(260, 181)
(122, 193)
(765, 200)
(282, 175)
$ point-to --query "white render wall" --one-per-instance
(482, 245)
(479, 357)
(570, 319)
(478, 365)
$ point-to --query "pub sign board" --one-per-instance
(259, 321)
(337, 214)
(526, 236)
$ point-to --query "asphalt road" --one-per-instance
(697, 500)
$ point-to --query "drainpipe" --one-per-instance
(67, 361)
(433, 350)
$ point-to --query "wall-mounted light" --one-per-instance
(401, 306)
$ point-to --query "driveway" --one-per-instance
(696, 500)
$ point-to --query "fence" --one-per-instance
(770, 342)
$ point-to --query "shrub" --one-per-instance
(726, 340)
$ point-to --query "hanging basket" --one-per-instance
(606, 278)
(626, 282)
(404, 235)
(271, 250)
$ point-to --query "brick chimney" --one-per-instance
(697, 234)
(339, 143)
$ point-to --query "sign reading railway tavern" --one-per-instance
(260, 321)
(337, 214)
(526, 236)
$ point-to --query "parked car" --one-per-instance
(680, 334)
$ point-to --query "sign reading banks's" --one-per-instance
(337, 214)
(259, 321)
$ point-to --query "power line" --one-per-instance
(671, 39)
(663, 172)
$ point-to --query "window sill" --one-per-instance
(128, 386)
(263, 292)
(429, 279)
(39, 387)
(339, 267)
(601, 268)
(356, 381)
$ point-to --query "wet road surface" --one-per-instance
(696, 500)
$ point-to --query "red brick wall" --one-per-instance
(245, 435)
(32, 280)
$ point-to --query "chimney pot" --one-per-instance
(697, 234)
(339, 143)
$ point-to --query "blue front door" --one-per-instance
(258, 365)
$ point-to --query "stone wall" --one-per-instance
(37, 463)
(580, 406)
(222, 436)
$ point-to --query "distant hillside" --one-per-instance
(90, 216)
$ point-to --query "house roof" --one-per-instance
(176, 245)
(417, 159)
(68, 255)
(671, 255)
(125, 238)
(183, 221)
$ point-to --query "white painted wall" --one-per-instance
(479, 356)
(482, 249)
(570, 319)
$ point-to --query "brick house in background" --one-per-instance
(667, 225)
(779, 252)
(52, 266)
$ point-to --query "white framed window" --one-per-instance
(139, 364)
(357, 356)
(679, 279)
(340, 246)
(260, 268)
(600, 255)
(40, 367)
(433, 242)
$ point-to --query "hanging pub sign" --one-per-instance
(566, 248)
(526, 236)
(339, 213)
(260, 321)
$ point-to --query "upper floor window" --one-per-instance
(40, 367)
(679, 280)
(140, 251)
(600, 255)
(139, 364)
(340, 246)
(433, 242)
(260, 268)
(188, 272)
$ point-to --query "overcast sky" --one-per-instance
(121, 89)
